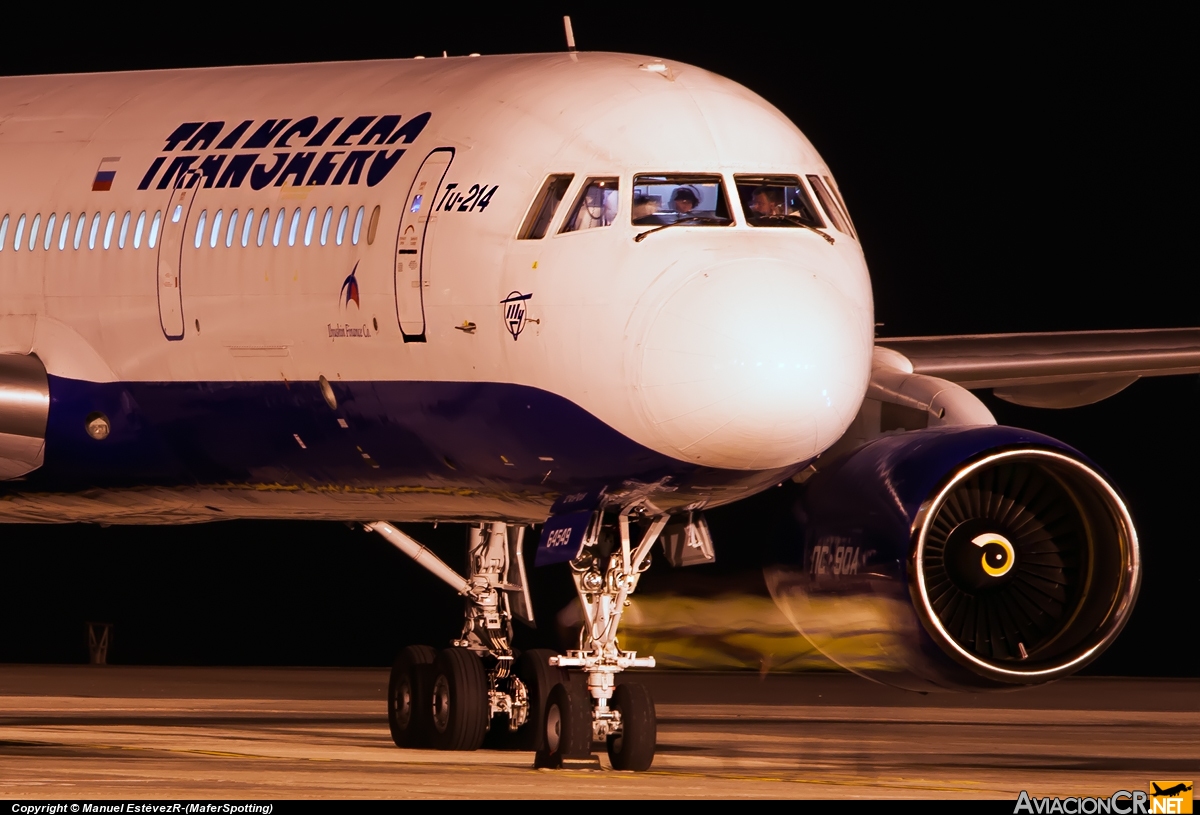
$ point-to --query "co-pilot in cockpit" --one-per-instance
(597, 205)
(660, 200)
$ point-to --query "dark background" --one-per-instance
(1014, 171)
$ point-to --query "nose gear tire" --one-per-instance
(539, 677)
(459, 700)
(410, 689)
(633, 747)
(567, 727)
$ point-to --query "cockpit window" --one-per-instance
(831, 206)
(841, 204)
(597, 205)
(669, 199)
(776, 200)
(541, 212)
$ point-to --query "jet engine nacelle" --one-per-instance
(24, 407)
(959, 558)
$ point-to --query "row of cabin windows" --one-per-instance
(106, 231)
(25, 231)
(227, 230)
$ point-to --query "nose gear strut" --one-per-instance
(604, 586)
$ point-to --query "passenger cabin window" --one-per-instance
(325, 225)
(200, 227)
(279, 219)
(308, 227)
(596, 206)
(248, 227)
(776, 200)
(341, 228)
(215, 235)
(660, 200)
(373, 225)
(832, 206)
(295, 227)
(541, 211)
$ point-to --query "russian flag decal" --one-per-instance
(105, 173)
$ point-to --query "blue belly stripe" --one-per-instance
(436, 435)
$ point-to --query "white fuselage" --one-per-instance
(727, 353)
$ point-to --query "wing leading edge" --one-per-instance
(1053, 370)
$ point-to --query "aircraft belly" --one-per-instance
(196, 451)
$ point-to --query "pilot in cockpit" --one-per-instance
(683, 201)
(766, 202)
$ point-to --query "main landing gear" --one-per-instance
(479, 692)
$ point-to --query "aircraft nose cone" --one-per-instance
(755, 364)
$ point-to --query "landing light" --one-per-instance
(97, 426)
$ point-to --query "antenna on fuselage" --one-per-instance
(570, 32)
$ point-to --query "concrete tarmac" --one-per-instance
(283, 733)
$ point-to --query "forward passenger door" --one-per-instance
(416, 225)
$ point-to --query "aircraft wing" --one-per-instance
(1063, 369)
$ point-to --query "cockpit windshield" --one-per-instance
(662, 200)
(776, 200)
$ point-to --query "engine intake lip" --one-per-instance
(1106, 596)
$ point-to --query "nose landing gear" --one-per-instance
(628, 725)
(450, 700)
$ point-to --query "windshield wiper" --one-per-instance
(704, 219)
(794, 219)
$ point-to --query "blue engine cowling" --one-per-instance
(959, 558)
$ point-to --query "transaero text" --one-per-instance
(274, 152)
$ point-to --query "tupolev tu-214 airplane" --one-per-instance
(488, 290)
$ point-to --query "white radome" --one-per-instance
(753, 364)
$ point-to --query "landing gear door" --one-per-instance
(170, 255)
(418, 217)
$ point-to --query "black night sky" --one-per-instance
(1017, 171)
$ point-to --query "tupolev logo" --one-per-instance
(514, 312)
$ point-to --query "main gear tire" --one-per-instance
(410, 691)
(459, 700)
